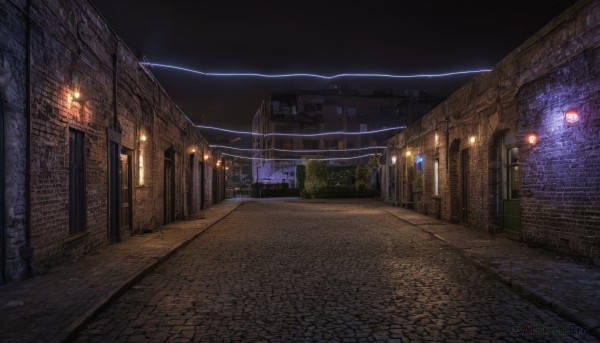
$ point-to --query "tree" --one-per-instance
(317, 174)
(364, 173)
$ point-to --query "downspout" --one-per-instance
(115, 85)
(27, 252)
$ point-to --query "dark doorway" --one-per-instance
(76, 182)
(495, 172)
(215, 184)
(126, 190)
(190, 190)
(114, 191)
(169, 186)
(511, 205)
(202, 183)
(2, 231)
(465, 186)
(454, 181)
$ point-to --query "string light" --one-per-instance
(279, 134)
(297, 159)
(299, 150)
(319, 76)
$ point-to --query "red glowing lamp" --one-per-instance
(532, 138)
(571, 116)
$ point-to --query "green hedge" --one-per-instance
(340, 192)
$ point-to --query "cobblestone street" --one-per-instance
(341, 271)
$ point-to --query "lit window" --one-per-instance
(514, 174)
(419, 163)
(436, 177)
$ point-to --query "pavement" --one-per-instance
(52, 307)
(567, 287)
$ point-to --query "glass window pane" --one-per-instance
(436, 177)
(513, 155)
(515, 182)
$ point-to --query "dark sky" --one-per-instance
(325, 36)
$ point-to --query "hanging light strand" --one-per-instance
(298, 159)
(318, 76)
(281, 134)
(298, 150)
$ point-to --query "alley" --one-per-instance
(321, 271)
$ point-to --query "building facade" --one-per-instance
(335, 109)
(93, 148)
(515, 150)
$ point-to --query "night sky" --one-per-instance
(327, 37)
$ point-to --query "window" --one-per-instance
(351, 111)
(436, 177)
(313, 107)
(363, 127)
(76, 182)
(514, 174)
(339, 110)
(419, 163)
(389, 111)
(310, 144)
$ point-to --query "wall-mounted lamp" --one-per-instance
(472, 139)
(394, 159)
(226, 168)
(218, 163)
(408, 153)
(572, 116)
(76, 93)
(206, 157)
(532, 138)
(193, 150)
(143, 138)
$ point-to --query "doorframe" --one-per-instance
(114, 189)
(169, 211)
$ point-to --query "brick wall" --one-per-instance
(72, 48)
(528, 91)
(13, 142)
(561, 183)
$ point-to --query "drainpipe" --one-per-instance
(27, 251)
(115, 85)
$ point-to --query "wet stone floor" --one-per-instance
(294, 271)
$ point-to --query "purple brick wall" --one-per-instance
(528, 91)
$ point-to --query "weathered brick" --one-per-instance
(529, 91)
(71, 46)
